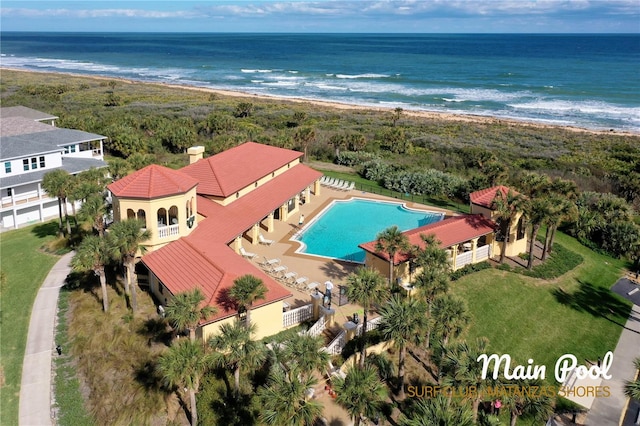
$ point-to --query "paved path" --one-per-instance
(608, 411)
(35, 390)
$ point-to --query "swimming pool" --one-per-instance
(343, 224)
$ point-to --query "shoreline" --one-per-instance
(430, 115)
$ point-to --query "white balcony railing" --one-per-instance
(296, 316)
(168, 231)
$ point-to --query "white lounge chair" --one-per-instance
(337, 183)
(313, 285)
(351, 186)
(269, 263)
(278, 270)
(289, 276)
(264, 241)
(301, 282)
(247, 254)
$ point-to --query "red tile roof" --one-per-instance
(153, 181)
(183, 265)
(485, 197)
(450, 231)
(203, 258)
(228, 172)
(225, 223)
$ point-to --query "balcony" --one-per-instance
(168, 231)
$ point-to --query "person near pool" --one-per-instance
(301, 221)
(328, 286)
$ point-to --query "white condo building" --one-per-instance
(31, 146)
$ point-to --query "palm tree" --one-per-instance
(129, 238)
(183, 366)
(404, 322)
(236, 349)
(632, 388)
(538, 211)
(450, 316)
(562, 209)
(396, 115)
(460, 369)
(361, 393)
(245, 291)
(391, 241)
(302, 354)
(433, 280)
(506, 208)
(93, 211)
(438, 411)
(366, 288)
(285, 400)
(92, 255)
(184, 311)
(118, 168)
(539, 406)
(57, 183)
(303, 137)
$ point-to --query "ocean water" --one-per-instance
(589, 81)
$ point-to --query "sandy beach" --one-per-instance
(428, 115)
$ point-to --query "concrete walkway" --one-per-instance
(35, 390)
(609, 411)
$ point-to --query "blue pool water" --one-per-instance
(338, 230)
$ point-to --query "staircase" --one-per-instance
(330, 333)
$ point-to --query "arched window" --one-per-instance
(131, 214)
(162, 217)
(187, 208)
(522, 228)
(142, 217)
(191, 206)
(173, 215)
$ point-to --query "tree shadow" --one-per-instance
(157, 331)
(224, 300)
(233, 411)
(46, 229)
(337, 270)
(596, 301)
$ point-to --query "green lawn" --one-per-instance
(531, 318)
(26, 268)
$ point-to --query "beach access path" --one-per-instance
(610, 410)
(35, 389)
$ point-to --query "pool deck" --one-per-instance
(317, 268)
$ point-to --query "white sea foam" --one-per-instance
(366, 75)
(255, 71)
(585, 107)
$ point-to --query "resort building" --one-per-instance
(207, 218)
(202, 216)
(30, 147)
(468, 239)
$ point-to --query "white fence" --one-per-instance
(338, 343)
(318, 327)
(371, 325)
(296, 316)
(463, 259)
(483, 252)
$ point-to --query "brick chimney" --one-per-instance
(195, 153)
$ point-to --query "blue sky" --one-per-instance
(391, 16)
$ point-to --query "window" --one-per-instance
(42, 162)
(7, 167)
(25, 165)
(34, 163)
(9, 192)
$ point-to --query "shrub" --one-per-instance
(469, 269)
(560, 261)
(349, 158)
